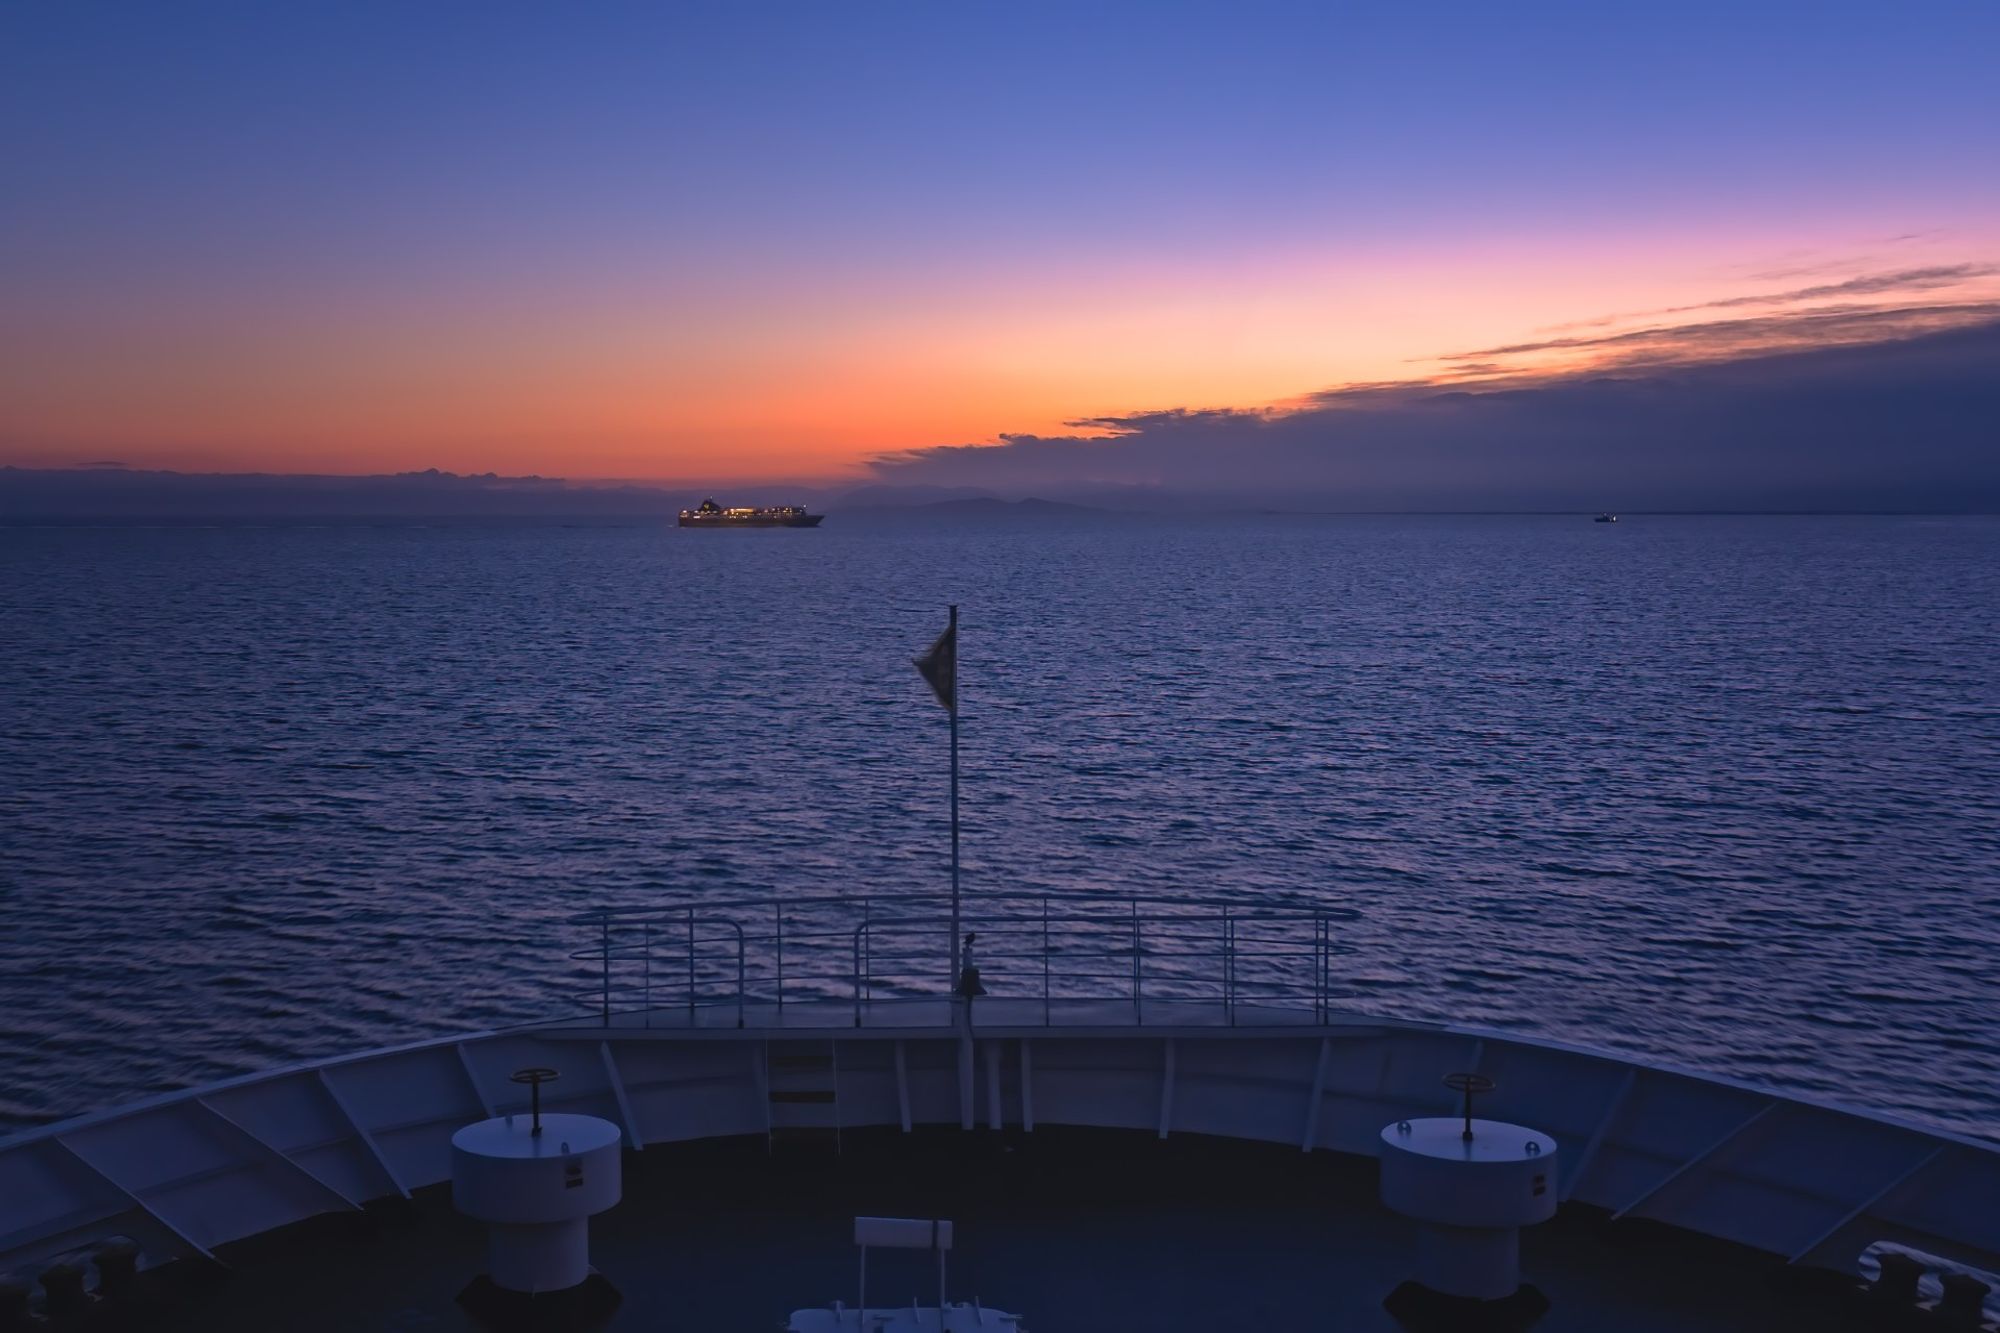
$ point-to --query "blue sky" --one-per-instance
(677, 240)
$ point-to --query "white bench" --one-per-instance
(903, 1233)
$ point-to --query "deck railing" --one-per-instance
(1245, 959)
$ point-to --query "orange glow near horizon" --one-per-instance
(712, 244)
(790, 376)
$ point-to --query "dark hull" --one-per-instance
(798, 521)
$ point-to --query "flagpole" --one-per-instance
(954, 795)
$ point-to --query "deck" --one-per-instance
(1080, 1231)
(1154, 1120)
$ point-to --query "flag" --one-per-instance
(938, 665)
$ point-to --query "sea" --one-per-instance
(1721, 791)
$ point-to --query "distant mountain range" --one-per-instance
(113, 492)
(979, 506)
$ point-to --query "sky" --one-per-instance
(814, 243)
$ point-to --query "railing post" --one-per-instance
(604, 943)
(1228, 968)
(646, 971)
(690, 964)
(1046, 1020)
(779, 909)
(867, 950)
(1138, 1007)
(740, 997)
(1319, 966)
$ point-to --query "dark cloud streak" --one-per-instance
(1873, 284)
(1932, 278)
(1789, 330)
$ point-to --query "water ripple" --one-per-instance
(1721, 791)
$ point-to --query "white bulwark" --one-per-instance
(1811, 1182)
(1220, 1017)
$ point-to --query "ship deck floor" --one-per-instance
(1073, 1229)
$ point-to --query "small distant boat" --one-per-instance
(709, 514)
(1605, 518)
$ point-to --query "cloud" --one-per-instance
(1932, 278)
(1909, 279)
(1799, 268)
(1904, 420)
(1785, 330)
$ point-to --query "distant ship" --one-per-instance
(713, 515)
(1601, 518)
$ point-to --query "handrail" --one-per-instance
(1117, 901)
(1249, 959)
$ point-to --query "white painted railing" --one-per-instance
(1248, 959)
